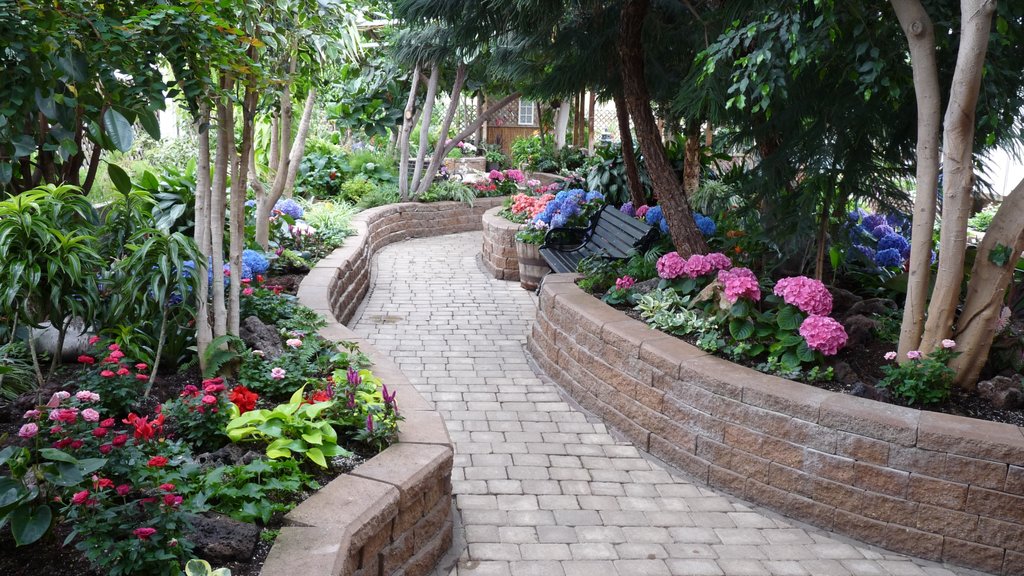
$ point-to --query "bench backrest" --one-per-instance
(619, 235)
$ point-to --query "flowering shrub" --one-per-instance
(879, 242)
(739, 283)
(569, 208)
(289, 207)
(500, 183)
(654, 216)
(922, 379)
(255, 261)
(807, 294)
(824, 334)
(118, 380)
(523, 207)
(199, 415)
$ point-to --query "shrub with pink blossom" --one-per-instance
(824, 334)
(739, 283)
(923, 378)
(807, 294)
(671, 266)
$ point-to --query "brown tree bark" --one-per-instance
(442, 144)
(239, 184)
(636, 188)
(958, 169)
(675, 206)
(218, 200)
(691, 159)
(204, 333)
(920, 33)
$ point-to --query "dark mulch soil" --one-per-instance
(864, 360)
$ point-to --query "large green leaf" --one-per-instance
(118, 129)
(741, 328)
(28, 524)
(788, 318)
(317, 456)
(150, 123)
(119, 177)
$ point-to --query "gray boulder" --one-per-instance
(221, 539)
(260, 336)
(1003, 392)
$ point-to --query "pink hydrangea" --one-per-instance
(739, 283)
(671, 265)
(718, 261)
(807, 294)
(697, 265)
(495, 175)
(824, 334)
(642, 211)
(515, 175)
(625, 283)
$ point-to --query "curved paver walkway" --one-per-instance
(543, 490)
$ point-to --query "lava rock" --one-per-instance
(229, 455)
(844, 373)
(221, 539)
(647, 286)
(870, 392)
(1004, 393)
(872, 307)
(842, 300)
(859, 330)
(260, 336)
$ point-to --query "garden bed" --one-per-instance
(933, 485)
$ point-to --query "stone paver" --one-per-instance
(542, 487)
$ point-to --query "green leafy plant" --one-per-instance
(449, 190)
(922, 379)
(255, 491)
(982, 220)
(223, 355)
(293, 428)
(355, 189)
(535, 154)
(16, 376)
(198, 567)
(385, 194)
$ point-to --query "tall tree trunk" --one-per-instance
(636, 188)
(428, 111)
(239, 184)
(285, 176)
(479, 112)
(591, 135)
(691, 158)
(958, 168)
(275, 135)
(920, 33)
(986, 291)
(686, 237)
(284, 140)
(562, 123)
(204, 333)
(408, 120)
(442, 143)
(218, 201)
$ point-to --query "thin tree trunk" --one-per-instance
(428, 111)
(275, 136)
(204, 333)
(285, 176)
(62, 332)
(479, 111)
(239, 184)
(161, 339)
(591, 135)
(475, 125)
(636, 188)
(986, 291)
(441, 149)
(218, 202)
(35, 361)
(408, 120)
(821, 237)
(686, 237)
(284, 140)
(958, 169)
(691, 159)
(562, 123)
(920, 33)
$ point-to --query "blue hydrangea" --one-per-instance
(654, 216)
(628, 209)
(594, 195)
(663, 226)
(881, 231)
(866, 251)
(289, 207)
(250, 203)
(894, 241)
(856, 215)
(559, 220)
(706, 225)
(255, 261)
(889, 257)
(871, 221)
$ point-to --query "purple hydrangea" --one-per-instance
(889, 257)
(290, 208)
(628, 209)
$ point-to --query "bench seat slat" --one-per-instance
(611, 234)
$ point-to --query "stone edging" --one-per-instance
(392, 514)
(499, 247)
(932, 485)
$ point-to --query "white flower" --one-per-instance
(293, 342)
(947, 343)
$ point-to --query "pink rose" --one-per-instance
(32, 415)
(947, 343)
(914, 355)
(890, 355)
(28, 430)
(277, 373)
(90, 415)
(625, 283)
(293, 342)
(80, 498)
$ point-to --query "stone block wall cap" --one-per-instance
(406, 466)
(786, 396)
(347, 500)
(968, 437)
(422, 427)
(307, 551)
(896, 424)
(631, 331)
(563, 278)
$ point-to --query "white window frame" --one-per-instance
(527, 112)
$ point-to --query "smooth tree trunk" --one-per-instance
(591, 135)
(686, 237)
(986, 293)
(958, 169)
(562, 123)
(636, 188)
(408, 120)
(442, 143)
(428, 111)
(275, 135)
(479, 121)
(286, 174)
(204, 332)
(920, 33)
(239, 184)
(218, 202)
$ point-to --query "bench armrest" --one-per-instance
(561, 238)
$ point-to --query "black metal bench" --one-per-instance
(611, 234)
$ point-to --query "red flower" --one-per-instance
(319, 396)
(141, 366)
(144, 533)
(120, 440)
(113, 347)
(108, 423)
(62, 444)
(168, 487)
(99, 432)
(83, 359)
(123, 371)
(190, 390)
(141, 377)
(144, 430)
(76, 444)
(123, 490)
(157, 462)
(244, 398)
(172, 500)
(80, 498)
(209, 399)
(103, 483)
(107, 374)
(106, 449)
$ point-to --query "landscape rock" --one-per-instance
(859, 330)
(229, 455)
(842, 300)
(1003, 392)
(872, 306)
(260, 336)
(870, 392)
(647, 286)
(844, 373)
(221, 539)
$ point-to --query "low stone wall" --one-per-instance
(392, 514)
(931, 485)
(338, 283)
(499, 247)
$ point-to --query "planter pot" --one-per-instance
(531, 266)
